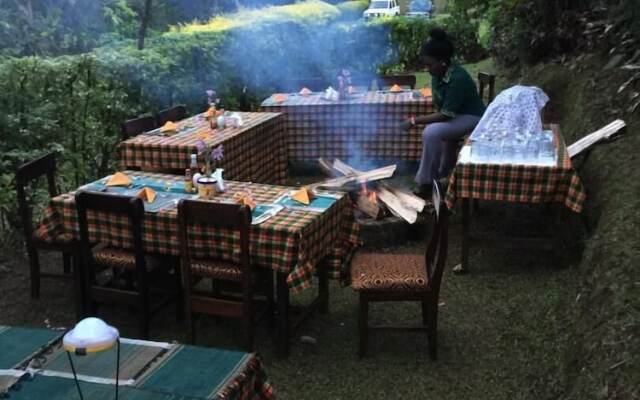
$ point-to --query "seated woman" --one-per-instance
(459, 108)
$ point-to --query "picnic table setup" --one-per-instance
(254, 148)
(292, 239)
(513, 162)
(35, 365)
(365, 122)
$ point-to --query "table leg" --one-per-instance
(323, 287)
(465, 235)
(282, 345)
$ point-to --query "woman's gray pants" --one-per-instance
(438, 140)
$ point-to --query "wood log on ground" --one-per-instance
(601, 134)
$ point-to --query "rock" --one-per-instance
(614, 61)
(308, 340)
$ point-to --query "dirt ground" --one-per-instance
(496, 334)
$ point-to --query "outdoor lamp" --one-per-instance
(91, 335)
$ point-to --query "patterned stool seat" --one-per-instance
(216, 269)
(389, 272)
(63, 239)
(113, 257)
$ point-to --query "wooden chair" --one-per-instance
(486, 83)
(173, 114)
(133, 266)
(26, 174)
(136, 126)
(236, 219)
(315, 84)
(404, 80)
(383, 277)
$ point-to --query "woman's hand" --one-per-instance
(407, 124)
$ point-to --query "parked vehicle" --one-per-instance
(420, 9)
(381, 8)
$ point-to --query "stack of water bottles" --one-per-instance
(509, 147)
(510, 131)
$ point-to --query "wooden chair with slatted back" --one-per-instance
(486, 83)
(384, 277)
(173, 114)
(403, 80)
(315, 84)
(134, 272)
(235, 219)
(136, 126)
(26, 175)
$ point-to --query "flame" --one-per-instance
(370, 194)
(373, 197)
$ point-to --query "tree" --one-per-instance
(145, 18)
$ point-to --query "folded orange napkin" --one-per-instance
(280, 97)
(303, 196)
(210, 112)
(169, 127)
(202, 135)
(245, 199)
(426, 92)
(119, 179)
(395, 89)
(147, 194)
(305, 91)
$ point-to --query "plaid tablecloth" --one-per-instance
(293, 241)
(254, 152)
(364, 126)
(148, 370)
(520, 183)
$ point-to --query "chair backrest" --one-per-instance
(437, 247)
(130, 207)
(28, 172)
(404, 80)
(364, 82)
(134, 127)
(315, 84)
(173, 114)
(233, 217)
(486, 82)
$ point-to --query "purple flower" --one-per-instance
(346, 73)
(210, 93)
(201, 146)
(217, 153)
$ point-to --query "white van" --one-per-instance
(381, 8)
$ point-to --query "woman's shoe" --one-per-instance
(423, 191)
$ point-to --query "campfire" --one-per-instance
(372, 196)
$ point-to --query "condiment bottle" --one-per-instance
(193, 166)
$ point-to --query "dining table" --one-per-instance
(361, 126)
(294, 240)
(552, 181)
(254, 151)
(34, 365)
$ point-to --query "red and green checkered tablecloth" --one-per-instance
(520, 183)
(365, 125)
(254, 152)
(293, 241)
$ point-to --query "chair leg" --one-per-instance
(144, 318)
(425, 313)
(79, 288)
(247, 316)
(363, 325)
(432, 329)
(66, 263)
(179, 295)
(34, 266)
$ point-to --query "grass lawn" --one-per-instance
(424, 79)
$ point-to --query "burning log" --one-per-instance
(407, 198)
(401, 203)
(373, 175)
(368, 203)
(396, 207)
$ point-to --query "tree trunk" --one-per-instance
(145, 17)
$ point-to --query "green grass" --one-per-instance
(424, 79)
